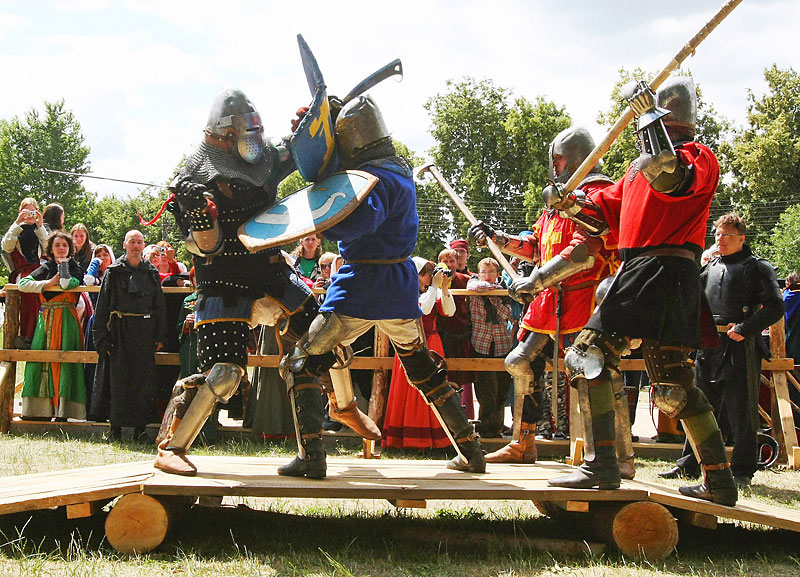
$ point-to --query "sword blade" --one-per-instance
(79, 175)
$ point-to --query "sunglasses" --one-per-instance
(325, 265)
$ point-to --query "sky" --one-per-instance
(140, 76)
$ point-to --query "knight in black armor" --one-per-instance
(744, 297)
(658, 211)
(232, 175)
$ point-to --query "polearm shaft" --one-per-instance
(493, 248)
(79, 175)
(623, 121)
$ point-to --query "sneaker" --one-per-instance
(561, 436)
(544, 436)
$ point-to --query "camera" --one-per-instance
(30, 214)
(445, 271)
(162, 249)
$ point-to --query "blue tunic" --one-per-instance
(383, 227)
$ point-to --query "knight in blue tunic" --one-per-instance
(377, 286)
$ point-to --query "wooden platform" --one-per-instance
(639, 517)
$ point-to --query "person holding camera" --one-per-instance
(23, 248)
(55, 389)
(409, 422)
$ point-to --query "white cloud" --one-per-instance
(141, 75)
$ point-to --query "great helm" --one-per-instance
(678, 95)
(234, 124)
(359, 126)
(574, 144)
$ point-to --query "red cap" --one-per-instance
(459, 243)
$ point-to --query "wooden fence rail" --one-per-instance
(778, 366)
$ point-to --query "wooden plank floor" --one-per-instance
(70, 487)
(392, 479)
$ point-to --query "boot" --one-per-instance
(454, 417)
(473, 452)
(718, 484)
(308, 414)
(521, 451)
(600, 468)
(172, 459)
(351, 416)
(627, 470)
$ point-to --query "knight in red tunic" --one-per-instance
(658, 211)
(573, 261)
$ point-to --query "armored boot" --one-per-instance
(351, 416)
(445, 402)
(173, 460)
(599, 468)
(192, 408)
(308, 412)
(521, 451)
(718, 484)
(622, 424)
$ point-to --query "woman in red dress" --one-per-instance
(409, 422)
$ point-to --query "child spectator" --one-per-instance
(53, 216)
(490, 339)
(84, 247)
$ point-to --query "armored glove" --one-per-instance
(523, 289)
(641, 98)
(555, 198)
(190, 194)
(479, 232)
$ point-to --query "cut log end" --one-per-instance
(645, 530)
(138, 523)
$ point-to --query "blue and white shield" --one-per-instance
(312, 209)
(312, 144)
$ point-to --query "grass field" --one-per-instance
(260, 537)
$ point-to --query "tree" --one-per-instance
(783, 247)
(493, 151)
(764, 158)
(50, 140)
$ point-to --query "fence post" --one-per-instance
(10, 333)
(380, 381)
(782, 419)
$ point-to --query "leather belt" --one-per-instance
(680, 252)
(580, 285)
(384, 261)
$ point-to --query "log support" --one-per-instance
(139, 523)
(641, 529)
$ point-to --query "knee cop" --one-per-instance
(526, 359)
(671, 373)
(312, 354)
(592, 353)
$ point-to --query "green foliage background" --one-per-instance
(491, 145)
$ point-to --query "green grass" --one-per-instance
(260, 537)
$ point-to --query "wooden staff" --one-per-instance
(627, 116)
(493, 248)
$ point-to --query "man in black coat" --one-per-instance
(130, 326)
(744, 296)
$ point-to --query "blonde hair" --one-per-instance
(28, 200)
(448, 253)
(489, 261)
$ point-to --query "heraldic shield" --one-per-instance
(312, 209)
(313, 144)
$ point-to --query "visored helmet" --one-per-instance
(679, 95)
(359, 126)
(574, 144)
(234, 124)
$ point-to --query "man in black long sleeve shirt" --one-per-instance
(743, 293)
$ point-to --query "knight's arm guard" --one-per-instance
(577, 207)
(658, 162)
(560, 268)
(205, 235)
(524, 247)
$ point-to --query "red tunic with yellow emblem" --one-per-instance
(556, 235)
